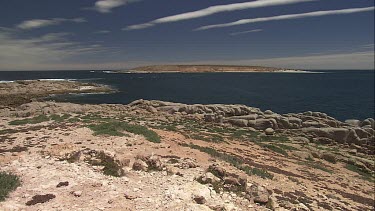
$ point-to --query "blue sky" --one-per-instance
(119, 34)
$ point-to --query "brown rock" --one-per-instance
(231, 181)
(258, 193)
(124, 162)
(140, 165)
(216, 170)
(200, 199)
(154, 163)
(61, 184)
(40, 199)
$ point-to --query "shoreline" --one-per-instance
(18, 92)
(213, 156)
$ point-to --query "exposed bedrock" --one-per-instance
(316, 126)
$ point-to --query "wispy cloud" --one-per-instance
(52, 48)
(213, 10)
(246, 32)
(286, 17)
(102, 32)
(39, 23)
(105, 6)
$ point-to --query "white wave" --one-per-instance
(106, 71)
(6, 81)
(55, 79)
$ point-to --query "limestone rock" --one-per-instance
(140, 165)
(217, 170)
(238, 122)
(353, 122)
(208, 178)
(199, 199)
(269, 131)
(258, 193)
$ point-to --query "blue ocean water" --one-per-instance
(341, 94)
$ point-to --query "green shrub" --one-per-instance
(115, 128)
(8, 183)
(365, 175)
(233, 160)
(275, 149)
(34, 120)
(111, 168)
(58, 118)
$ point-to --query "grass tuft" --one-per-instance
(275, 149)
(111, 167)
(8, 183)
(34, 120)
(365, 175)
(115, 128)
(236, 162)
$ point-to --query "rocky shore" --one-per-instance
(19, 92)
(155, 155)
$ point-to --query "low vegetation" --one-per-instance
(117, 128)
(111, 168)
(8, 183)
(235, 161)
(365, 175)
(34, 120)
(59, 118)
(275, 149)
(317, 165)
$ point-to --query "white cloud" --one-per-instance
(54, 48)
(38, 23)
(286, 17)
(105, 6)
(246, 32)
(213, 10)
(102, 32)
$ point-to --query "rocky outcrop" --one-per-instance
(315, 126)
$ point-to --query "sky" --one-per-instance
(121, 34)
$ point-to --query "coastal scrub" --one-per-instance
(116, 128)
(8, 183)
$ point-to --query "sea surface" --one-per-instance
(340, 94)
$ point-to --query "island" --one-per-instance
(205, 69)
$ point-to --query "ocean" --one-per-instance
(340, 94)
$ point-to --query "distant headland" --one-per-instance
(205, 69)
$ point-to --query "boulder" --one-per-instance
(238, 122)
(208, 178)
(311, 123)
(140, 165)
(231, 181)
(152, 109)
(154, 163)
(269, 131)
(169, 109)
(262, 124)
(353, 122)
(337, 134)
(268, 112)
(216, 170)
(368, 122)
(294, 122)
(199, 199)
(136, 102)
(245, 117)
(332, 158)
(258, 193)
